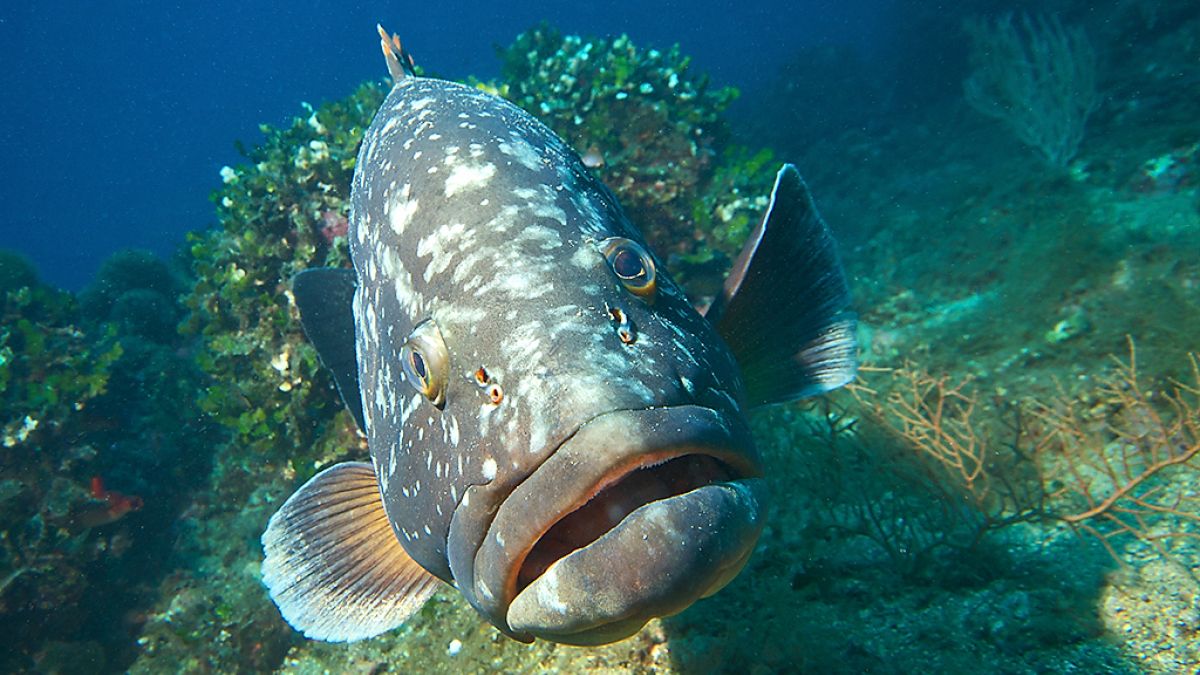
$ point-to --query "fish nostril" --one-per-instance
(492, 390)
(625, 330)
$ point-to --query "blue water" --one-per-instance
(118, 116)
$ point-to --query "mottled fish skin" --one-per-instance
(469, 212)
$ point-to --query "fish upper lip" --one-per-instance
(530, 514)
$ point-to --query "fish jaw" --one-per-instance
(636, 515)
(662, 558)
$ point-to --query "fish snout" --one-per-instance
(637, 515)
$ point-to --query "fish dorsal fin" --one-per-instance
(325, 298)
(785, 309)
(333, 565)
(399, 62)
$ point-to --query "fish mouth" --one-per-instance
(637, 515)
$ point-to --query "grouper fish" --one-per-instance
(553, 428)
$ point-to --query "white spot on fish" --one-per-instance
(521, 151)
(465, 176)
(585, 257)
(547, 591)
(435, 244)
(402, 210)
(489, 469)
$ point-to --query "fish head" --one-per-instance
(554, 428)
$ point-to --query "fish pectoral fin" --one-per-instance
(785, 308)
(325, 298)
(333, 565)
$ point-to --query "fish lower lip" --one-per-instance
(618, 468)
(657, 561)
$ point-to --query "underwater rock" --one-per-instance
(15, 271)
(146, 313)
(125, 272)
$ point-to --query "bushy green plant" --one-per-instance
(275, 214)
(49, 367)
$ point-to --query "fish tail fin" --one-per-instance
(399, 62)
(785, 310)
(333, 565)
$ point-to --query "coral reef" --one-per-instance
(921, 548)
(50, 375)
(281, 419)
(66, 547)
(274, 214)
(920, 522)
(102, 446)
(1038, 79)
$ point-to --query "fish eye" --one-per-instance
(416, 364)
(426, 362)
(632, 265)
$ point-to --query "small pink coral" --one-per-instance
(335, 225)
